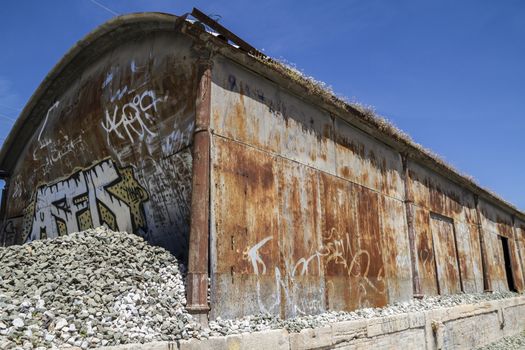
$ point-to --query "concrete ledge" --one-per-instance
(459, 327)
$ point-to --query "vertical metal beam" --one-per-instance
(520, 256)
(198, 255)
(409, 201)
(438, 283)
(460, 272)
(3, 211)
(487, 284)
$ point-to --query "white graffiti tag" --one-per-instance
(334, 250)
(133, 119)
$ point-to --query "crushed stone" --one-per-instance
(516, 342)
(98, 288)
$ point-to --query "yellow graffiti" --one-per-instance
(132, 193)
(106, 216)
(84, 220)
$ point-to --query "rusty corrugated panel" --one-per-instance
(469, 256)
(365, 161)
(498, 223)
(246, 264)
(448, 274)
(253, 110)
(362, 207)
(425, 250)
(395, 246)
(278, 250)
(373, 284)
(496, 262)
(300, 240)
(341, 241)
(438, 196)
(353, 261)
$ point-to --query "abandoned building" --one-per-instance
(284, 198)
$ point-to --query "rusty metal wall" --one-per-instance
(307, 212)
(434, 196)
(114, 148)
(495, 223)
(520, 242)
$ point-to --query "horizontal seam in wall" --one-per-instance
(305, 165)
(475, 314)
(429, 210)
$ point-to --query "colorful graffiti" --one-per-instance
(102, 194)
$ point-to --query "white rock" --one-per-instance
(18, 322)
(60, 323)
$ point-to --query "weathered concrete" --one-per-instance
(460, 327)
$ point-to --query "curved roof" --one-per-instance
(126, 27)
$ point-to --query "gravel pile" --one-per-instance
(99, 287)
(516, 342)
(91, 289)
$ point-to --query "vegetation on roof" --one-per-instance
(369, 115)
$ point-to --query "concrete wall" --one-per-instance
(113, 149)
(459, 327)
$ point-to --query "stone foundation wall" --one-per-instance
(459, 327)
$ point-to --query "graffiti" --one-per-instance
(109, 79)
(8, 235)
(334, 250)
(52, 150)
(56, 151)
(100, 195)
(177, 139)
(44, 142)
(132, 119)
(17, 187)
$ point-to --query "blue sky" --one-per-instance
(449, 73)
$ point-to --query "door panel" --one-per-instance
(445, 254)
